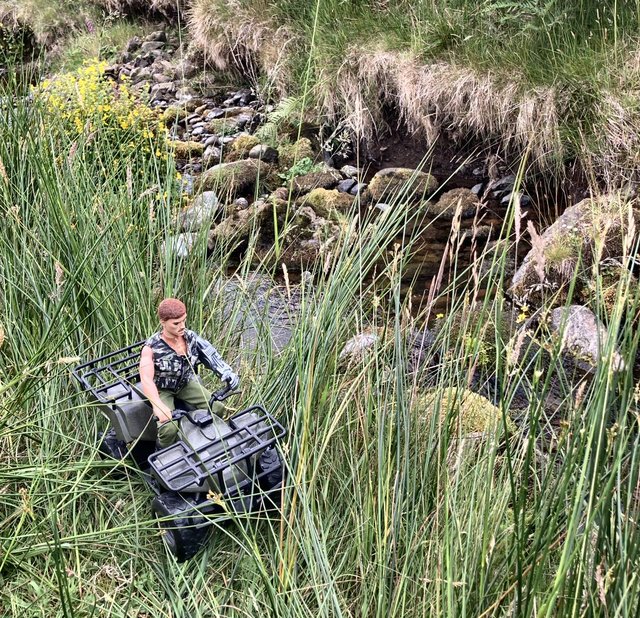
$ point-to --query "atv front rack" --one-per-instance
(252, 431)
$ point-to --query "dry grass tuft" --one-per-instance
(248, 40)
(429, 97)
(166, 7)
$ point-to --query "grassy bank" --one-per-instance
(557, 78)
(390, 509)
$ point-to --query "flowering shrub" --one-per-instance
(85, 102)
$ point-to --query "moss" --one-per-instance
(468, 411)
(451, 201)
(233, 178)
(174, 113)
(185, 150)
(392, 182)
(326, 203)
(289, 154)
(240, 147)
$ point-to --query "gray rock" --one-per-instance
(506, 183)
(148, 46)
(350, 171)
(326, 179)
(214, 114)
(161, 78)
(211, 156)
(139, 74)
(346, 185)
(157, 35)
(357, 188)
(242, 203)
(187, 183)
(133, 44)
(185, 93)
(525, 200)
(584, 337)
(476, 189)
(197, 131)
(162, 91)
(212, 140)
(202, 212)
(180, 245)
(357, 349)
(262, 152)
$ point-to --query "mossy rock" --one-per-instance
(593, 227)
(324, 179)
(173, 114)
(289, 154)
(186, 150)
(468, 412)
(603, 291)
(393, 182)
(457, 200)
(327, 203)
(240, 147)
(222, 126)
(233, 178)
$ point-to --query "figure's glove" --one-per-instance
(232, 378)
(211, 359)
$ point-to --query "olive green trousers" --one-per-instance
(193, 393)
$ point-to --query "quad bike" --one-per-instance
(216, 470)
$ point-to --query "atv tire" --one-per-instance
(271, 462)
(179, 533)
(110, 447)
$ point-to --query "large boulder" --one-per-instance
(589, 231)
(584, 337)
(290, 154)
(406, 183)
(202, 211)
(230, 179)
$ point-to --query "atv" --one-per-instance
(218, 468)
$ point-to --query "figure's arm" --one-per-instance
(211, 359)
(149, 388)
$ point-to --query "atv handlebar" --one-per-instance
(223, 393)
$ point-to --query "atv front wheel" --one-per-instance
(110, 447)
(179, 531)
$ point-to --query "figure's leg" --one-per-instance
(197, 395)
(167, 432)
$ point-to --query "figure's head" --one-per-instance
(171, 309)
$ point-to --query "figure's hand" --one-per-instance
(163, 414)
(231, 378)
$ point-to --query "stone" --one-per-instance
(160, 78)
(524, 200)
(173, 113)
(328, 203)
(212, 140)
(201, 212)
(477, 189)
(357, 349)
(584, 337)
(326, 179)
(459, 200)
(506, 183)
(263, 152)
(400, 182)
(140, 74)
(214, 114)
(593, 228)
(180, 245)
(185, 150)
(185, 93)
(346, 185)
(157, 35)
(350, 171)
(196, 131)
(239, 224)
(233, 178)
(241, 145)
(148, 46)
(241, 203)
(133, 44)
(185, 70)
(358, 188)
(162, 91)
(211, 156)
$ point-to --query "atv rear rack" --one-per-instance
(180, 466)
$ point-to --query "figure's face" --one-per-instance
(175, 327)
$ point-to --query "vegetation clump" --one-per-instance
(467, 411)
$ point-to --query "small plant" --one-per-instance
(299, 168)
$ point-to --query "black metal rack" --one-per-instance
(184, 466)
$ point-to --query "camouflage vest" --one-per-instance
(172, 372)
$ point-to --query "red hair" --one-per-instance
(170, 309)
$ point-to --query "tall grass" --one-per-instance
(388, 510)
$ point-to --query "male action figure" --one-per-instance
(167, 369)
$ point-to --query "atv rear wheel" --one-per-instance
(270, 462)
(179, 531)
(110, 447)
